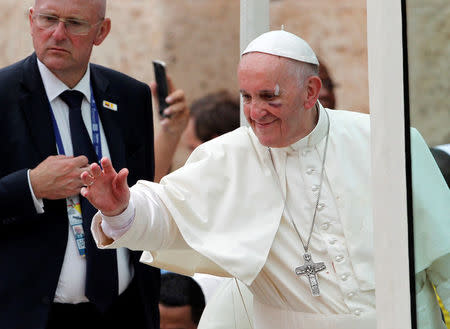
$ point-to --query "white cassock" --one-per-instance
(223, 213)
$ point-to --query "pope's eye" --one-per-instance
(246, 98)
(268, 97)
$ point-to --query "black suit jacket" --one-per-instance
(32, 245)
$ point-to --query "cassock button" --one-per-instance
(339, 258)
(344, 277)
(315, 188)
(310, 171)
(332, 241)
(357, 312)
(325, 226)
(350, 294)
(320, 206)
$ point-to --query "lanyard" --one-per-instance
(95, 126)
(73, 208)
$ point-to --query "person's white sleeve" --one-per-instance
(38, 203)
(147, 227)
(116, 226)
(439, 273)
(436, 276)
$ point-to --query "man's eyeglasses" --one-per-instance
(73, 26)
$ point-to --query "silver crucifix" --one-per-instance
(310, 269)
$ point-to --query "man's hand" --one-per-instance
(58, 177)
(177, 113)
(106, 189)
(172, 128)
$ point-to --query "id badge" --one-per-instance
(76, 223)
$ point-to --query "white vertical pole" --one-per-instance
(254, 21)
(385, 54)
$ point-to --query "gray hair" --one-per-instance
(302, 71)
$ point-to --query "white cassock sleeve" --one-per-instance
(152, 230)
(159, 229)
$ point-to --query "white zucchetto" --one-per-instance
(284, 44)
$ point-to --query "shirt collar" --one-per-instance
(54, 87)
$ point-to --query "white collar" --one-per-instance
(54, 87)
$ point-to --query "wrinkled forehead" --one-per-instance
(86, 7)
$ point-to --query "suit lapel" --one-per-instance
(110, 119)
(36, 108)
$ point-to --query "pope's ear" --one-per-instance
(313, 86)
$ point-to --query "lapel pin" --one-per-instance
(109, 106)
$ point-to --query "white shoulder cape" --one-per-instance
(227, 205)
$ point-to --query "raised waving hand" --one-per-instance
(106, 189)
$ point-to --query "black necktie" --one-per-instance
(101, 265)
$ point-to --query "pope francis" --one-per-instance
(283, 205)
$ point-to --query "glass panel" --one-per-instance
(428, 31)
(337, 31)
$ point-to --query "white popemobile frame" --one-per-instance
(385, 58)
(255, 16)
(387, 107)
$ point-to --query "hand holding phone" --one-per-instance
(161, 81)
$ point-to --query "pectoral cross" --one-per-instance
(310, 269)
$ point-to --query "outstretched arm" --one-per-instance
(106, 189)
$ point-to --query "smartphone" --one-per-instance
(161, 81)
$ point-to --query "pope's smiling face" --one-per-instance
(276, 105)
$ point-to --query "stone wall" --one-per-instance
(337, 31)
(199, 41)
(429, 66)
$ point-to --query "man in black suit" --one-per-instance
(52, 274)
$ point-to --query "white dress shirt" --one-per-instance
(72, 280)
